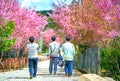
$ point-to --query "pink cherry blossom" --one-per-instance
(27, 22)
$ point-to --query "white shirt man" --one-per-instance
(32, 50)
(68, 53)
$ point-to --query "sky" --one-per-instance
(39, 5)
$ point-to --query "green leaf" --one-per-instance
(6, 31)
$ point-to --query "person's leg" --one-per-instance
(66, 67)
(51, 65)
(55, 65)
(31, 67)
(70, 68)
(35, 62)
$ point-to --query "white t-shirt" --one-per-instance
(32, 50)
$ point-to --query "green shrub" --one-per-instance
(110, 59)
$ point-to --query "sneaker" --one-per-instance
(66, 74)
(69, 75)
(34, 76)
(54, 73)
(31, 77)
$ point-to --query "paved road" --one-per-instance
(42, 75)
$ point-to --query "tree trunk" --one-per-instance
(1, 62)
(90, 60)
(2, 66)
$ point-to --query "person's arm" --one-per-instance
(73, 50)
(38, 46)
(62, 51)
(62, 48)
(49, 50)
(59, 52)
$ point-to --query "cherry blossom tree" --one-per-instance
(27, 22)
(91, 22)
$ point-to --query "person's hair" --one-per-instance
(53, 38)
(68, 38)
(31, 39)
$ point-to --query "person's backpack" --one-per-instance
(61, 63)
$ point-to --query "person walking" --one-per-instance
(68, 53)
(54, 50)
(32, 57)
